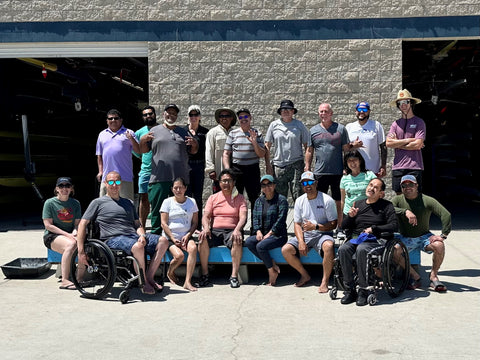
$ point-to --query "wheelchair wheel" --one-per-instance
(396, 267)
(124, 296)
(95, 280)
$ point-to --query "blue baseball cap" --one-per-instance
(267, 177)
(363, 105)
(410, 178)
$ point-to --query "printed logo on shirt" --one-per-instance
(413, 126)
(65, 215)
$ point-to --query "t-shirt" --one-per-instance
(288, 139)
(372, 135)
(405, 129)
(328, 148)
(179, 215)
(116, 151)
(62, 213)
(225, 212)
(146, 167)
(354, 187)
(243, 152)
(320, 210)
(114, 217)
(169, 154)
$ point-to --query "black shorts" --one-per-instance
(48, 239)
(397, 177)
(221, 237)
(332, 181)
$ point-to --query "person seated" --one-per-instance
(179, 216)
(367, 219)
(223, 220)
(269, 226)
(120, 228)
(414, 210)
(61, 216)
(315, 216)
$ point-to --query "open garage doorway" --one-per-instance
(446, 76)
(65, 100)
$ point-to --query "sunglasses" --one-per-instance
(307, 183)
(266, 185)
(116, 182)
(403, 102)
(243, 117)
(362, 110)
(112, 118)
(193, 115)
(68, 186)
(226, 181)
(225, 116)
(147, 114)
(408, 185)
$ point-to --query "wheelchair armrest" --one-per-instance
(386, 235)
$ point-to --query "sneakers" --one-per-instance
(349, 297)
(414, 284)
(341, 235)
(362, 297)
(234, 283)
(204, 281)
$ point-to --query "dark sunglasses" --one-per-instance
(243, 117)
(193, 115)
(266, 185)
(113, 118)
(309, 182)
(225, 116)
(403, 102)
(362, 110)
(408, 185)
(147, 114)
(68, 186)
(116, 182)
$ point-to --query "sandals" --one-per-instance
(234, 283)
(414, 284)
(438, 286)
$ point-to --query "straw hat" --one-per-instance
(404, 95)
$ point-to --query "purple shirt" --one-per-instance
(116, 151)
(404, 129)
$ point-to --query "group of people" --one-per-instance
(349, 160)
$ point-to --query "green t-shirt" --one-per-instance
(63, 213)
(146, 167)
(354, 187)
(422, 206)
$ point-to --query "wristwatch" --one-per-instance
(316, 226)
(444, 237)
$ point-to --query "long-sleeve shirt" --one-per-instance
(380, 216)
(422, 206)
(271, 215)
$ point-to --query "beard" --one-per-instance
(150, 121)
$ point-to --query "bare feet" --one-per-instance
(276, 268)
(172, 277)
(148, 289)
(303, 281)
(323, 288)
(155, 286)
(272, 276)
(189, 287)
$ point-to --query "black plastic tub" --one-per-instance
(26, 268)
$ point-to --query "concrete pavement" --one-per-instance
(39, 321)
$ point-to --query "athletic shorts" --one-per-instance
(332, 181)
(48, 239)
(221, 237)
(417, 243)
(316, 242)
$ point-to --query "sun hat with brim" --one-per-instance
(410, 178)
(64, 180)
(307, 175)
(267, 177)
(218, 111)
(404, 95)
(286, 104)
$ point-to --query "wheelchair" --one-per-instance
(385, 269)
(105, 266)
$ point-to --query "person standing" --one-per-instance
(287, 135)
(406, 137)
(197, 161)
(243, 150)
(114, 153)
(215, 144)
(150, 120)
(170, 145)
(367, 136)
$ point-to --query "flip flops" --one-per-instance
(438, 286)
(68, 287)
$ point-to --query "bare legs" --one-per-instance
(178, 257)
(65, 246)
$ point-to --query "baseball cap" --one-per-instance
(64, 180)
(172, 106)
(307, 175)
(267, 177)
(363, 105)
(408, 178)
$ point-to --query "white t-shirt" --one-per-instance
(372, 135)
(320, 210)
(179, 215)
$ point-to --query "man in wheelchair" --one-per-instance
(366, 221)
(120, 228)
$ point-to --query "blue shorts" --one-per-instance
(143, 180)
(126, 242)
(417, 243)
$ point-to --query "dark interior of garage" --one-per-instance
(65, 101)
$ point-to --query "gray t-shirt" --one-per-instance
(113, 217)
(169, 154)
(328, 145)
(288, 139)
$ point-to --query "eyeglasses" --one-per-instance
(362, 110)
(147, 114)
(226, 181)
(193, 115)
(243, 117)
(309, 182)
(225, 116)
(113, 118)
(403, 102)
(408, 185)
(68, 186)
(116, 182)
(266, 185)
